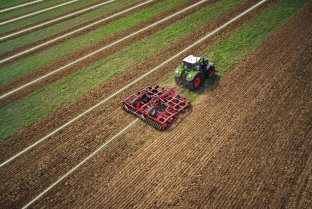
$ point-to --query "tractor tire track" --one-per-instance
(76, 55)
(64, 32)
(26, 183)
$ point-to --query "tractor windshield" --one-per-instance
(188, 66)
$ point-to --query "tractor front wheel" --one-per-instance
(178, 80)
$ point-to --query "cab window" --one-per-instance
(188, 66)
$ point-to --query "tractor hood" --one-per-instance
(179, 71)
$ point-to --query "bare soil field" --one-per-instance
(245, 144)
(43, 169)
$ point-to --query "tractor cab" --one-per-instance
(190, 62)
(193, 72)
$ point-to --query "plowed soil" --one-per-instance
(40, 174)
(245, 143)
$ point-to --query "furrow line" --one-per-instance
(37, 12)
(99, 50)
(56, 20)
(20, 6)
(71, 33)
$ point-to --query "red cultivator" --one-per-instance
(156, 105)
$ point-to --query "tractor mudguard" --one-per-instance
(210, 64)
(191, 75)
(178, 75)
(179, 71)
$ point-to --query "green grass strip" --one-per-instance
(46, 15)
(29, 9)
(35, 106)
(231, 50)
(54, 29)
(22, 67)
(12, 3)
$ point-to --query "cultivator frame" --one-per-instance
(158, 106)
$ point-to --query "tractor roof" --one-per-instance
(191, 59)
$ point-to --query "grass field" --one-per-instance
(64, 49)
(231, 50)
(53, 29)
(44, 16)
(29, 9)
(12, 3)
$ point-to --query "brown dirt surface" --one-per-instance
(74, 56)
(163, 162)
(246, 144)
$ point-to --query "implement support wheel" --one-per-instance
(152, 111)
(136, 103)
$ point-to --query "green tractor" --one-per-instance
(193, 72)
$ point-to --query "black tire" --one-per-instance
(210, 72)
(178, 80)
(136, 103)
(197, 81)
(184, 79)
(152, 111)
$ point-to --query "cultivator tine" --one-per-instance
(156, 105)
(154, 124)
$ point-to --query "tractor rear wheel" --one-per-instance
(196, 82)
(211, 72)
